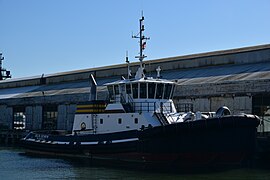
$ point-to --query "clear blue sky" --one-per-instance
(51, 36)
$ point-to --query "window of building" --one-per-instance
(49, 117)
(119, 121)
(136, 120)
(19, 117)
(101, 121)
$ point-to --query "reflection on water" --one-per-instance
(15, 165)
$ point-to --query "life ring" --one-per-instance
(83, 126)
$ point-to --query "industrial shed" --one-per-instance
(237, 78)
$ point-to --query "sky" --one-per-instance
(51, 36)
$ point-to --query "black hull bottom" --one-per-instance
(216, 142)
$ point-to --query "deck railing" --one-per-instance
(151, 107)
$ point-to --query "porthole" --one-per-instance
(119, 121)
(83, 126)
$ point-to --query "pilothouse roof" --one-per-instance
(141, 80)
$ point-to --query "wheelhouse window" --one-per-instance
(19, 117)
(173, 87)
(122, 88)
(128, 88)
(49, 117)
(151, 90)
(143, 91)
(159, 93)
(116, 89)
(135, 90)
(168, 89)
(111, 94)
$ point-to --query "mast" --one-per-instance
(142, 44)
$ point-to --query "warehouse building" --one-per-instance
(237, 78)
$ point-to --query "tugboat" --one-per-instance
(140, 125)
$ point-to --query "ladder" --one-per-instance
(94, 123)
(162, 119)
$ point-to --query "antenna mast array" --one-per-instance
(4, 74)
(142, 42)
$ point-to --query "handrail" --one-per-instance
(184, 107)
(169, 115)
(130, 99)
(152, 107)
(131, 102)
(144, 106)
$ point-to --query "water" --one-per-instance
(15, 165)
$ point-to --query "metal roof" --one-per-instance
(161, 60)
(214, 74)
(13, 92)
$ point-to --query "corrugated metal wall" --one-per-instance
(65, 117)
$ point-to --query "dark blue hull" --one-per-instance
(215, 141)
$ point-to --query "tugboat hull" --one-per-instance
(217, 141)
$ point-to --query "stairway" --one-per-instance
(162, 119)
(128, 107)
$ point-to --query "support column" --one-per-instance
(6, 117)
(62, 117)
(37, 117)
(29, 118)
(71, 110)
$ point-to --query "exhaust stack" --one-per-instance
(93, 90)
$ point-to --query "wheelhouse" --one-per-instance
(141, 89)
(143, 95)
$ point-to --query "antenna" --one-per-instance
(142, 44)
(4, 74)
(127, 61)
(128, 70)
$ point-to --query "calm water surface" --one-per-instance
(15, 165)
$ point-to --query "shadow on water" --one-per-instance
(127, 172)
(15, 164)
